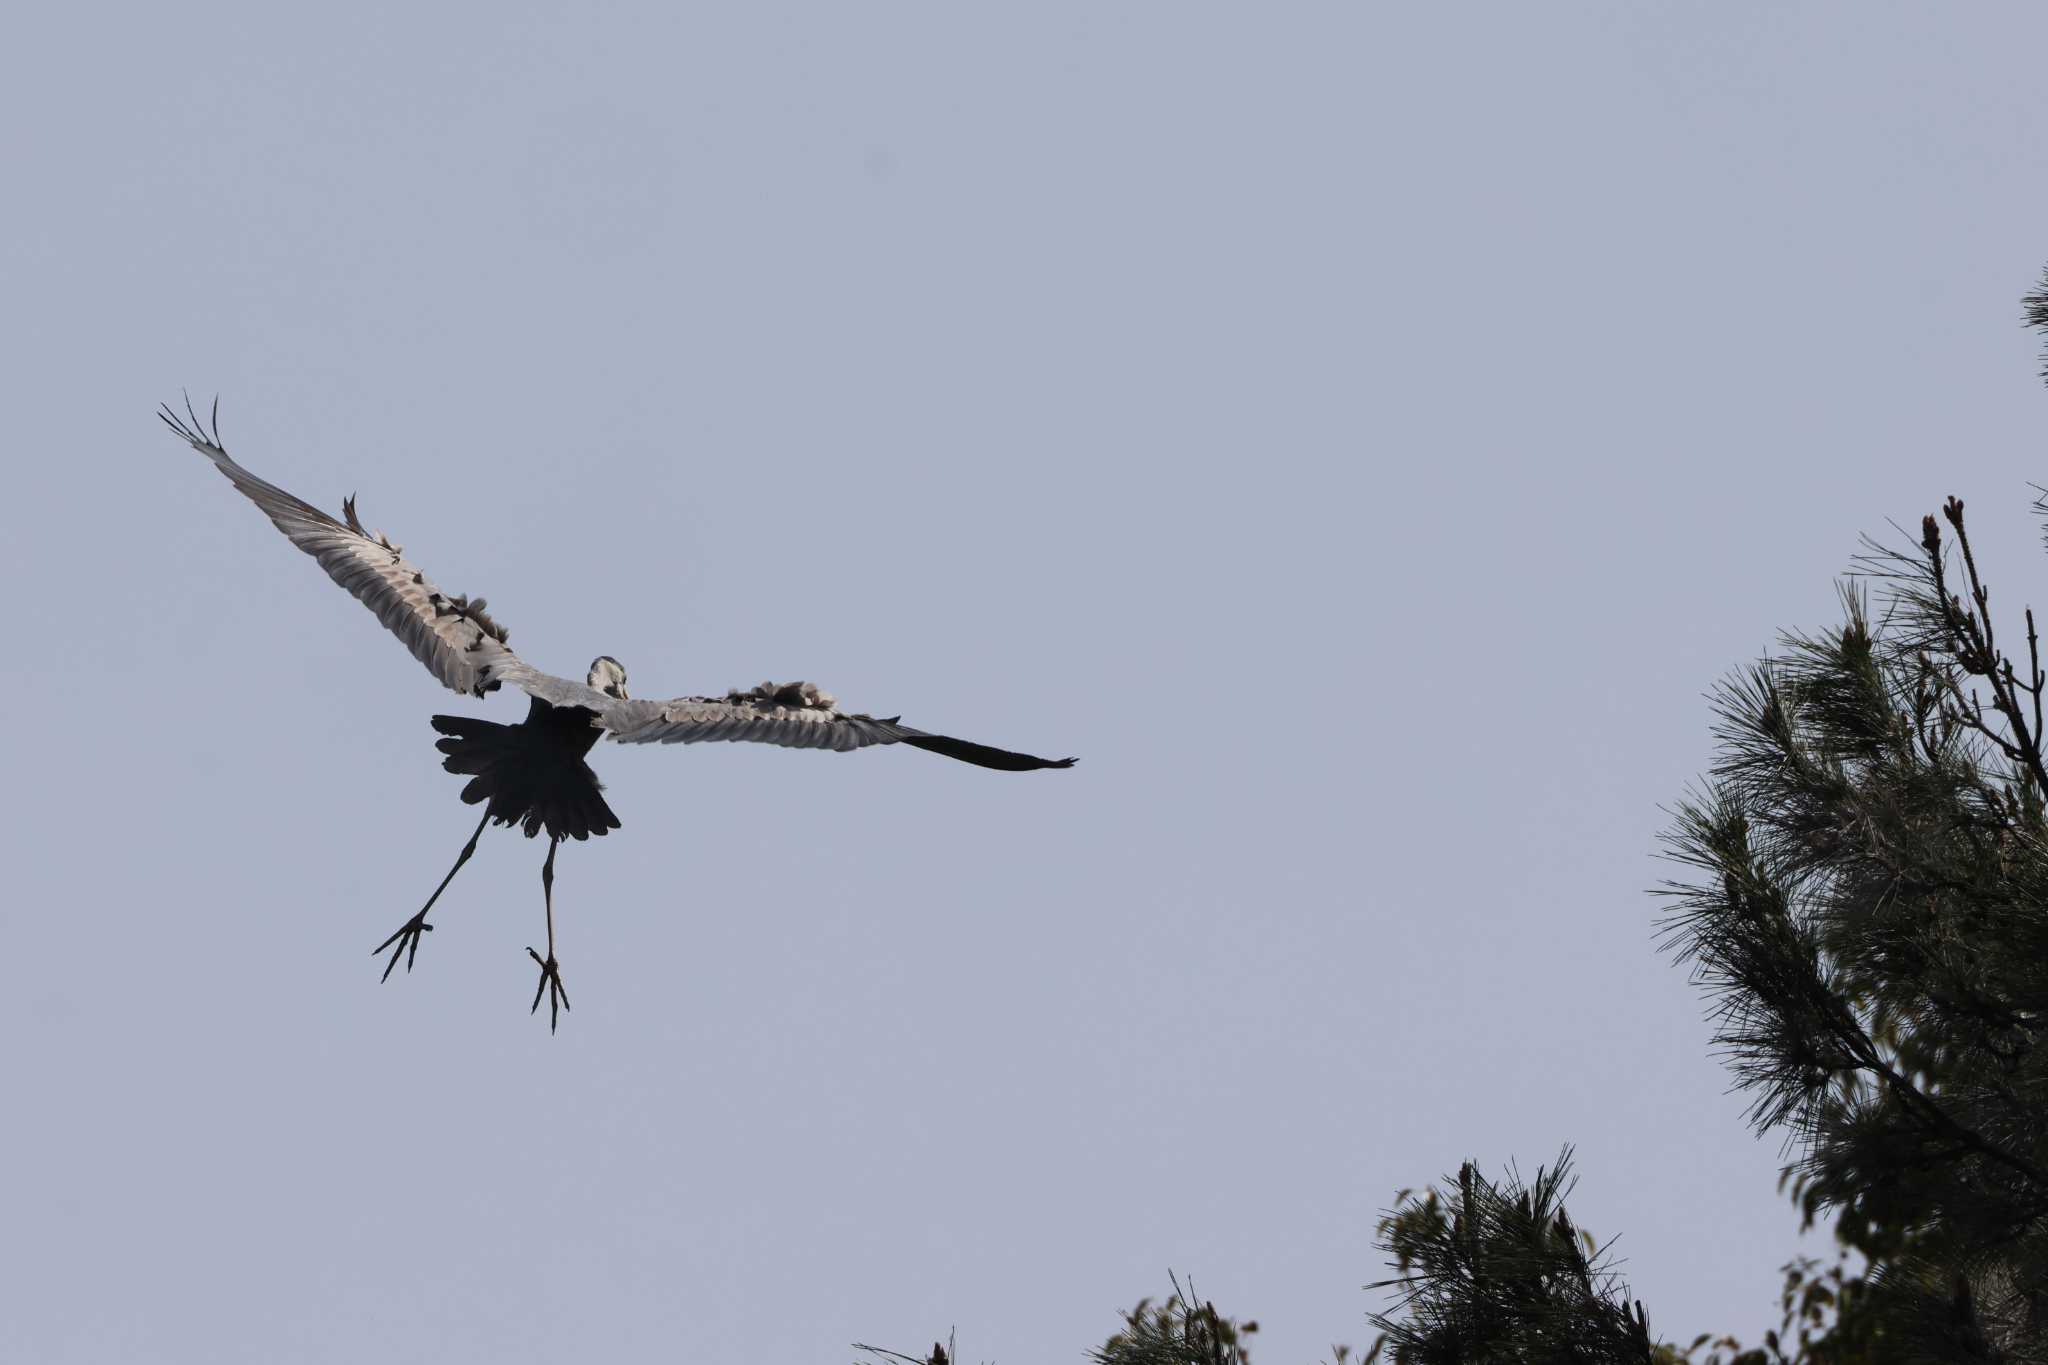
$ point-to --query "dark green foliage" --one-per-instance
(1870, 919)
(2036, 305)
(942, 1353)
(1868, 916)
(1498, 1273)
(1178, 1331)
(1824, 1319)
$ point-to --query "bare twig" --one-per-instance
(1974, 640)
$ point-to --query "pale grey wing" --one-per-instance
(795, 716)
(699, 720)
(453, 636)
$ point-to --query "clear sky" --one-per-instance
(1360, 433)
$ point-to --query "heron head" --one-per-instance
(608, 675)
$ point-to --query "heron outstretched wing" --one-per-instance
(795, 716)
(452, 635)
(468, 651)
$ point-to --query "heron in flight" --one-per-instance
(533, 774)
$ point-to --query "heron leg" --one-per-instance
(408, 936)
(550, 970)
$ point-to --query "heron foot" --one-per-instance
(407, 941)
(551, 984)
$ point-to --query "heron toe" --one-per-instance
(404, 944)
(551, 985)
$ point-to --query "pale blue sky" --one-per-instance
(1360, 433)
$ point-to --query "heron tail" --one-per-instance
(526, 776)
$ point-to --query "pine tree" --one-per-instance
(1499, 1273)
(1872, 923)
(1866, 909)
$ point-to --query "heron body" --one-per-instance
(534, 774)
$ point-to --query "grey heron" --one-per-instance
(532, 774)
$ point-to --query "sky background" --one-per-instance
(1360, 433)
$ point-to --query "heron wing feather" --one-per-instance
(744, 719)
(454, 637)
(782, 715)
